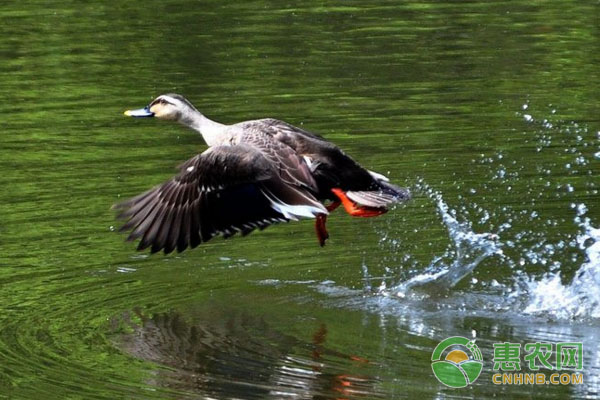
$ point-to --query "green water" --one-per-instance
(487, 108)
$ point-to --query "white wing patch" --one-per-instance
(293, 212)
(312, 165)
(308, 161)
(378, 176)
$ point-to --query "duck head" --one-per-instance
(172, 107)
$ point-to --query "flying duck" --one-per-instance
(253, 174)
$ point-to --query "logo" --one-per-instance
(538, 358)
(457, 369)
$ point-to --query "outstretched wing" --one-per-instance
(225, 190)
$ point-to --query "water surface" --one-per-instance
(487, 111)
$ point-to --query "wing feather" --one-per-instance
(291, 167)
(221, 191)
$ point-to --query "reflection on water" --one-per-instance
(232, 355)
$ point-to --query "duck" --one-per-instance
(253, 174)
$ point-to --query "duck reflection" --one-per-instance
(237, 355)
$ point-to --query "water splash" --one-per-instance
(465, 252)
(580, 298)
(536, 238)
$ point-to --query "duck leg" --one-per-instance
(320, 222)
(357, 210)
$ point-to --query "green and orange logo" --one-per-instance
(457, 369)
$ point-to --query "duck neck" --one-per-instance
(212, 132)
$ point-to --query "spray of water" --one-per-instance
(522, 237)
(468, 250)
(581, 298)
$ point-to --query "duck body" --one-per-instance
(329, 165)
(254, 174)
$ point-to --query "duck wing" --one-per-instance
(292, 167)
(330, 166)
(327, 163)
(300, 140)
(224, 190)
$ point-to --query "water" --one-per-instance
(488, 112)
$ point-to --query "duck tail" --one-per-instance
(381, 196)
(400, 194)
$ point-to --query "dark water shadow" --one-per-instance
(231, 354)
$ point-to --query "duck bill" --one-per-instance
(139, 113)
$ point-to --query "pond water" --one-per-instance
(487, 111)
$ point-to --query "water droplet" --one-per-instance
(581, 209)
(125, 270)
